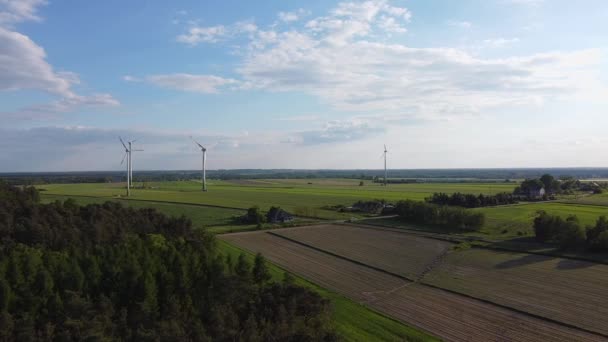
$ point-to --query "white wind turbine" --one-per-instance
(128, 151)
(131, 150)
(385, 172)
(204, 150)
(128, 155)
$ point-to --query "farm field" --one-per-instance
(564, 290)
(296, 196)
(395, 252)
(354, 322)
(512, 221)
(507, 221)
(599, 199)
(449, 316)
(200, 216)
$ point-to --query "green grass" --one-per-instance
(200, 216)
(353, 321)
(599, 199)
(519, 218)
(296, 196)
(512, 221)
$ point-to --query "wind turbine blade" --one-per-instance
(123, 143)
(123, 158)
(196, 142)
(137, 150)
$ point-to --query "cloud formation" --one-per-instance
(206, 84)
(23, 66)
(347, 59)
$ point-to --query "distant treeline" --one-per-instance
(395, 176)
(450, 218)
(103, 272)
(569, 233)
(474, 201)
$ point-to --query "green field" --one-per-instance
(308, 197)
(200, 216)
(353, 321)
(507, 221)
(296, 196)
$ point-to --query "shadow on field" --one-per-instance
(567, 264)
(523, 261)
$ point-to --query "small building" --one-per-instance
(536, 192)
(278, 215)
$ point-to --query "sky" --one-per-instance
(303, 84)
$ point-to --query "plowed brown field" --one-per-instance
(450, 316)
(398, 253)
(570, 291)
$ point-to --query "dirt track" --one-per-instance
(450, 316)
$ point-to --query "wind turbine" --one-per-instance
(128, 151)
(204, 150)
(128, 155)
(385, 172)
(131, 162)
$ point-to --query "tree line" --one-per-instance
(472, 200)
(451, 218)
(569, 233)
(104, 272)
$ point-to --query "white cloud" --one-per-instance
(206, 84)
(342, 59)
(460, 24)
(16, 11)
(23, 66)
(129, 78)
(292, 16)
(197, 34)
(500, 42)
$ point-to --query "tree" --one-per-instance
(260, 270)
(242, 267)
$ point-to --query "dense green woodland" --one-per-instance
(105, 272)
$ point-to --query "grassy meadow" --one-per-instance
(311, 197)
(301, 197)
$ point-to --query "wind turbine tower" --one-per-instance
(203, 176)
(128, 156)
(385, 171)
(131, 162)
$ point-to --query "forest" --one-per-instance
(104, 272)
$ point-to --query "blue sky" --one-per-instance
(303, 84)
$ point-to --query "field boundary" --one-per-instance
(422, 283)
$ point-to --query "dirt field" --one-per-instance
(450, 316)
(395, 252)
(561, 289)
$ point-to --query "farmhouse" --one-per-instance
(536, 192)
(278, 215)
